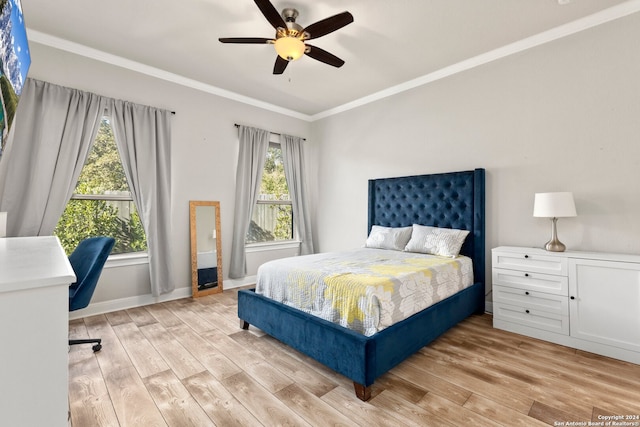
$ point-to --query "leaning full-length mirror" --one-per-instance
(206, 248)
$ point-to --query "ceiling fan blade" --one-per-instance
(271, 13)
(248, 40)
(328, 25)
(280, 65)
(324, 56)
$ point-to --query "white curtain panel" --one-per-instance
(143, 137)
(49, 144)
(293, 158)
(254, 144)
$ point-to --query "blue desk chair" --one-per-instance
(87, 261)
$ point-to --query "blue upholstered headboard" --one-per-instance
(448, 200)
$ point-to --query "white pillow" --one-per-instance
(388, 237)
(436, 241)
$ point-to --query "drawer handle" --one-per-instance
(526, 274)
(526, 292)
(527, 311)
(572, 297)
(526, 256)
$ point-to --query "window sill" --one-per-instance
(270, 246)
(123, 260)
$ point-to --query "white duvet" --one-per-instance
(365, 289)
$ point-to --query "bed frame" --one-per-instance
(451, 200)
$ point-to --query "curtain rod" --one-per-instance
(272, 133)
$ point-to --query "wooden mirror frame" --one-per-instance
(196, 292)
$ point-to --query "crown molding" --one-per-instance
(118, 61)
(615, 12)
(599, 18)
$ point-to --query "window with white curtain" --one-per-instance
(102, 203)
(272, 218)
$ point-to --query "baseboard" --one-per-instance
(238, 283)
(488, 306)
(130, 302)
(142, 300)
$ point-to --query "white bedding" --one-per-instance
(365, 289)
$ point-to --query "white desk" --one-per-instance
(34, 323)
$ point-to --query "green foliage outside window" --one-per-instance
(102, 175)
(274, 182)
(272, 221)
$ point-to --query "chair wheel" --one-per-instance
(97, 347)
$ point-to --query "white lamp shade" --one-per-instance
(554, 205)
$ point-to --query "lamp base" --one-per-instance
(555, 246)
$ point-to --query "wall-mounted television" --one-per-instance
(15, 60)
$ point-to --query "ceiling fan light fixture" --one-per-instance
(289, 48)
(290, 38)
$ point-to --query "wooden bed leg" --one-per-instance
(243, 324)
(363, 393)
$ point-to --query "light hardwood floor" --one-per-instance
(187, 363)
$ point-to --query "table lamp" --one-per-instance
(554, 206)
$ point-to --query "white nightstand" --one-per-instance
(584, 300)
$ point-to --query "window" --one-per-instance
(272, 218)
(102, 204)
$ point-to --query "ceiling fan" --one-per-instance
(290, 38)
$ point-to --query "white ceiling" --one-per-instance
(389, 44)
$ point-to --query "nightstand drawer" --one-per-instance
(558, 285)
(531, 300)
(531, 317)
(530, 261)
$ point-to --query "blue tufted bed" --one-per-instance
(447, 200)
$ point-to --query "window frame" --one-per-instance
(107, 197)
(274, 142)
(124, 258)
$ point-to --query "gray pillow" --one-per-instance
(436, 241)
(394, 238)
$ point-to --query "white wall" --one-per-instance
(204, 154)
(561, 117)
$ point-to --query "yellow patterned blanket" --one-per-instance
(365, 289)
